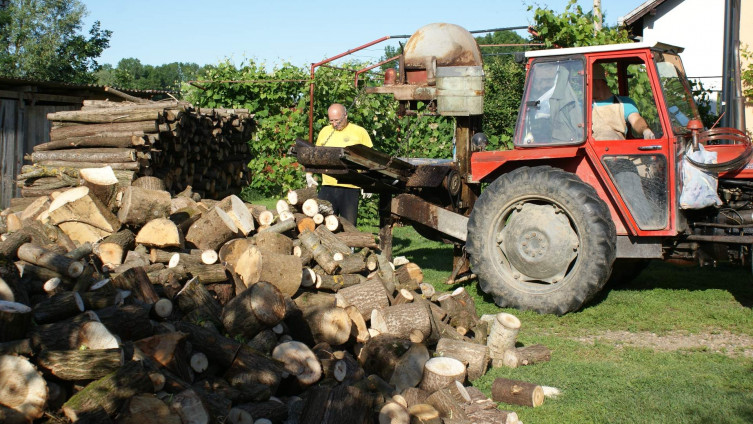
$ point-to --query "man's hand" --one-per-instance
(648, 134)
(366, 195)
(310, 180)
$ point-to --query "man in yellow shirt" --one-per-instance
(340, 133)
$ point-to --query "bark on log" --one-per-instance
(112, 249)
(94, 155)
(196, 302)
(274, 243)
(106, 115)
(137, 282)
(61, 335)
(238, 213)
(88, 364)
(409, 276)
(10, 245)
(260, 306)
(109, 392)
(381, 354)
(297, 197)
(102, 183)
(122, 139)
(331, 242)
(149, 182)
(22, 388)
(212, 230)
(282, 226)
(79, 205)
(334, 283)
(141, 205)
(409, 369)
(58, 307)
(357, 239)
(321, 254)
(134, 128)
(123, 166)
(401, 319)
(517, 392)
(475, 355)
(527, 355)
(282, 271)
(367, 296)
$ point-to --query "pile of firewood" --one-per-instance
(135, 305)
(204, 148)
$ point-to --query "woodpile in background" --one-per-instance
(143, 307)
(204, 148)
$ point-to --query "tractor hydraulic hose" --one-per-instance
(714, 136)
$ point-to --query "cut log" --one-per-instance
(149, 182)
(503, 334)
(94, 335)
(50, 260)
(108, 139)
(331, 242)
(10, 245)
(297, 197)
(357, 239)
(299, 361)
(358, 329)
(366, 297)
(168, 350)
(283, 271)
(81, 206)
(401, 319)
(284, 224)
(528, 355)
(394, 413)
(209, 257)
(356, 262)
(334, 283)
(106, 115)
(112, 249)
(331, 223)
(95, 155)
(265, 218)
(109, 392)
(321, 254)
(381, 354)
(441, 372)
(196, 302)
(409, 276)
(141, 205)
(88, 364)
(331, 325)
(147, 408)
(15, 321)
(424, 414)
(101, 182)
(234, 207)
(137, 282)
(61, 335)
(274, 243)
(212, 230)
(409, 369)
(451, 402)
(260, 306)
(35, 209)
(58, 307)
(517, 392)
(314, 206)
(128, 166)
(474, 354)
(304, 223)
(22, 388)
(160, 232)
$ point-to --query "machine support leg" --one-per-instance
(385, 225)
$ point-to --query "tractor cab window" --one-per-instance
(677, 91)
(552, 110)
(622, 99)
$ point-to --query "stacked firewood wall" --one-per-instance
(148, 307)
(204, 148)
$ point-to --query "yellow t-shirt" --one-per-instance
(348, 136)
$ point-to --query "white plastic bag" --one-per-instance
(698, 186)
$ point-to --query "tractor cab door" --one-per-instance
(628, 138)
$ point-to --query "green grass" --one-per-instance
(605, 382)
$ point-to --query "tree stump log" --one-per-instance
(357, 239)
(101, 182)
(409, 276)
(320, 253)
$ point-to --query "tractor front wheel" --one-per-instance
(541, 239)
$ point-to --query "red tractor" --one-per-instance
(543, 226)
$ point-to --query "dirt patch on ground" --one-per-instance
(724, 342)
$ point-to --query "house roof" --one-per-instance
(605, 48)
(62, 92)
(639, 12)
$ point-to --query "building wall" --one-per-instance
(22, 127)
(697, 26)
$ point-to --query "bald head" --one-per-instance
(338, 116)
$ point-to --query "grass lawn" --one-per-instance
(673, 346)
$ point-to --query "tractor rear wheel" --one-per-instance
(541, 239)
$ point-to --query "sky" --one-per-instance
(300, 32)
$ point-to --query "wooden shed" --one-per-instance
(24, 105)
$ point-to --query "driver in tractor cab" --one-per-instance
(612, 113)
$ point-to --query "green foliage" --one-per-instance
(503, 91)
(705, 104)
(572, 28)
(41, 39)
(132, 74)
(746, 74)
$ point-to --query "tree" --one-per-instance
(132, 74)
(42, 39)
(572, 28)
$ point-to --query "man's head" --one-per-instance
(600, 89)
(338, 116)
